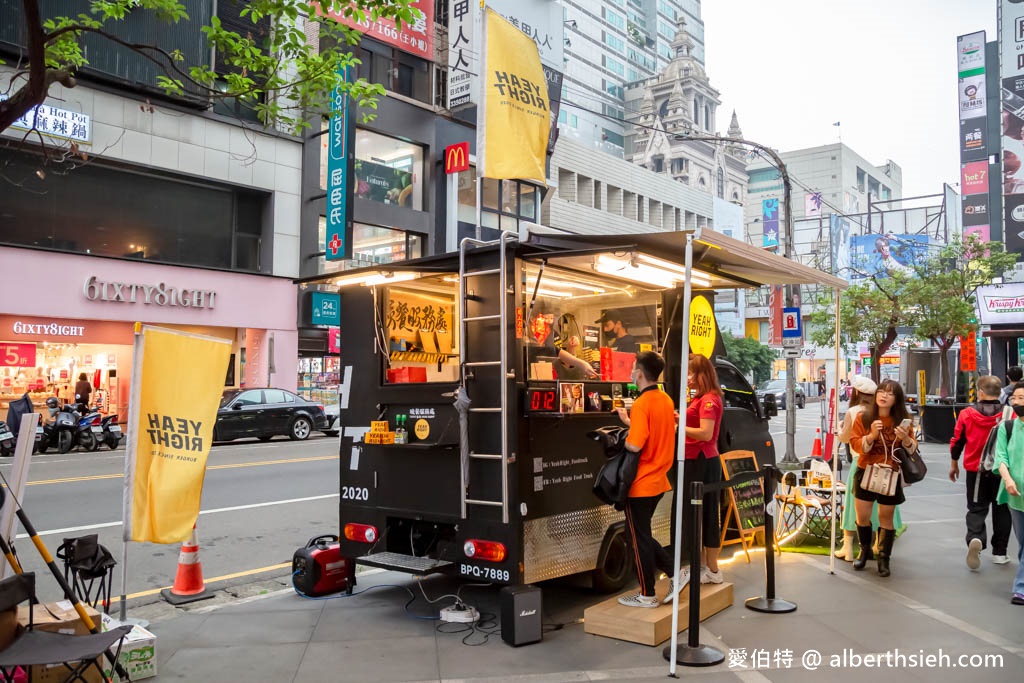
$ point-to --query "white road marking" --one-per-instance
(106, 525)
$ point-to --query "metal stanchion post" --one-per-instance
(769, 603)
(694, 653)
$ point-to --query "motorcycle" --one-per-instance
(7, 440)
(63, 430)
(112, 433)
(89, 429)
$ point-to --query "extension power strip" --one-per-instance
(453, 614)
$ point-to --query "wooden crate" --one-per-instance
(652, 626)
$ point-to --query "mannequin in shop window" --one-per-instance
(83, 390)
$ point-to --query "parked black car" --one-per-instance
(266, 413)
(778, 388)
(745, 419)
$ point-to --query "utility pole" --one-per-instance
(789, 459)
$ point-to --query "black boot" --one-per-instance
(864, 537)
(885, 537)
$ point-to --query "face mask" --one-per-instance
(1019, 410)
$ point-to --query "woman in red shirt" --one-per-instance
(703, 422)
(876, 433)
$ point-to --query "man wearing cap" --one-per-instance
(621, 339)
(862, 395)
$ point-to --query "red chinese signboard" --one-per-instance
(17, 355)
(968, 353)
(334, 340)
(456, 158)
(416, 38)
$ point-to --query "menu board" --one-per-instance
(745, 513)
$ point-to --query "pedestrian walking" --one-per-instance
(862, 396)
(1013, 375)
(652, 434)
(973, 426)
(882, 427)
(1009, 462)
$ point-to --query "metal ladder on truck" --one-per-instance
(482, 370)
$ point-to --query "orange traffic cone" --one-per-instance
(816, 451)
(188, 581)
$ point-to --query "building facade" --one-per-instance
(609, 45)
(139, 207)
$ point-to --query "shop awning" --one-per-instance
(729, 262)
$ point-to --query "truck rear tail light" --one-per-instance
(362, 533)
(490, 551)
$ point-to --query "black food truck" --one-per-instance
(466, 395)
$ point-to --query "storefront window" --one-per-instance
(154, 218)
(503, 204)
(373, 245)
(387, 170)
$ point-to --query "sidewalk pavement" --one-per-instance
(931, 605)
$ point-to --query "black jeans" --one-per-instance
(982, 489)
(648, 553)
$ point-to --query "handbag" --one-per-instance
(881, 478)
(912, 467)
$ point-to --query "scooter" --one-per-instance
(64, 429)
(112, 433)
(89, 430)
(7, 440)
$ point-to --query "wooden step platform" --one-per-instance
(652, 626)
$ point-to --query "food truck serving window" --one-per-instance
(421, 328)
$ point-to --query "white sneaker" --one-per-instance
(1000, 559)
(974, 554)
(708, 576)
(639, 600)
(676, 586)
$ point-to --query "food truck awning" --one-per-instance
(728, 262)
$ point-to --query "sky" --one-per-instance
(885, 69)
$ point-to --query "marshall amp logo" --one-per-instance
(456, 158)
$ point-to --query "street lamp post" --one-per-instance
(787, 192)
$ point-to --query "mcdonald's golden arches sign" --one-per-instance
(456, 158)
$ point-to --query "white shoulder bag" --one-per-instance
(882, 478)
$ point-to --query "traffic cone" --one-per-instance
(816, 452)
(188, 581)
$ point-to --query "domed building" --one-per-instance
(681, 101)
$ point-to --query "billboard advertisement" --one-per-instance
(416, 38)
(884, 255)
(770, 221)
(974, 171)
(1011, 53)
(839, 231)
(541, 20)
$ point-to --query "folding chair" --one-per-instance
(89, 569)
(40, 648)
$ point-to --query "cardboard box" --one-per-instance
(58, 617)
(138, 654)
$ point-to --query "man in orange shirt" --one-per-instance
(652, 430)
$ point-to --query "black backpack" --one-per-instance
(613, 481)
(988, 453)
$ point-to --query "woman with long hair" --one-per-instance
(702, 424)
(862, 396)
(882, 427)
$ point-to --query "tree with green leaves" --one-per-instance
(870, 311)
(277, 72)
(750, 356)
(941, 298)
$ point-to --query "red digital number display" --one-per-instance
(542, 400)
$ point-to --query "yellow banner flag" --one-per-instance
(177, 382)
(514, 117)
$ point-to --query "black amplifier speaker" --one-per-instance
(521, 619)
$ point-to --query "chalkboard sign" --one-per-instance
(745, 513)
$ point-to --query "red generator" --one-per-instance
(319, 569)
